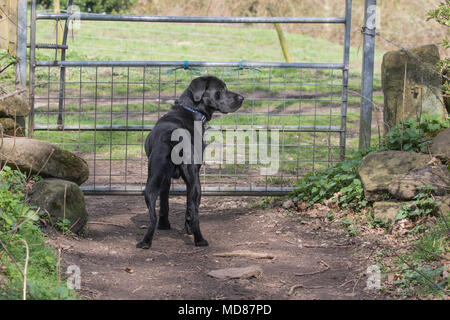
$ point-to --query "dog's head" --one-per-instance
(209, 94)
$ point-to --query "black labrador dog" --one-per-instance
(204, 96)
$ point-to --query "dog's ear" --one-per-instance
(197, 88)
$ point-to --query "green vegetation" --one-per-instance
(322, 185)
(423, 205)
(18, 226)
(95, 6)
(422, 269)
(413, 135)
(442, 16)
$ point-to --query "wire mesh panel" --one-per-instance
(292, 120)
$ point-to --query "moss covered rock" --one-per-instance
(386, 211)
(423, 87)
(405, 187)
(8, 127)
(36, 156)
(14, 107)
(379, 170)
(62, 199)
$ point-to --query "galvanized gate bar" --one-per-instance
(194, 64)
(124, 177)
(130, 127)
(206, 191)
(180, 19)
(348, 19)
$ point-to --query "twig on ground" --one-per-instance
(12, 93)
(248, 243)
(243, 253)
(292, 289)
(24, 297)
(106, 223)
(327, 267)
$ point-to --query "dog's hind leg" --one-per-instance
(190, 176)
(163, 223)
(152, 189)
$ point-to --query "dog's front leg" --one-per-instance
(192, 180)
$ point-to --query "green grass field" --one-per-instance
(137, 96)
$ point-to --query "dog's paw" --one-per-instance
(163, 225)
(143, 245)
(201, 243)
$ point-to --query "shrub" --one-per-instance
(322, 185)
(411, 135)
(100, 6)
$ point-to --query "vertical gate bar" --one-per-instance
(142, 130)
(62, 73)
(48, 102)
(315, 119)
(300, 75)
(111, 121)
(80, 107)
(126, 131)
(21, 66)
(330, 120)
(348, 21)
(367, 74)
(95, 124)
(32, 67)
(283, 160)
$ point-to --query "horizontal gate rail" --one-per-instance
(195, 64)
(118, 127)
(206, 191)
(180, 19)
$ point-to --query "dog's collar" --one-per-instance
(203, 117)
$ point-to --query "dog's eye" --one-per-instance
(217, 95)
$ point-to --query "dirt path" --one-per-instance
(112, 268)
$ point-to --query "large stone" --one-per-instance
(8, 127)
(440, 146)
(61, 199)
(378, 170)
(39, 157)
(14, 107)
(423, 87)
(386, 211)
(405, 187)
(236, 273)
(445, 204)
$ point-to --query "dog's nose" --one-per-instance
(240, 98)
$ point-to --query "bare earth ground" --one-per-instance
(112, 268)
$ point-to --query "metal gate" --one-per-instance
(103, 110)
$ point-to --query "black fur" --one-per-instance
(206, 95)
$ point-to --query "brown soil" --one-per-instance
(112, 268)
